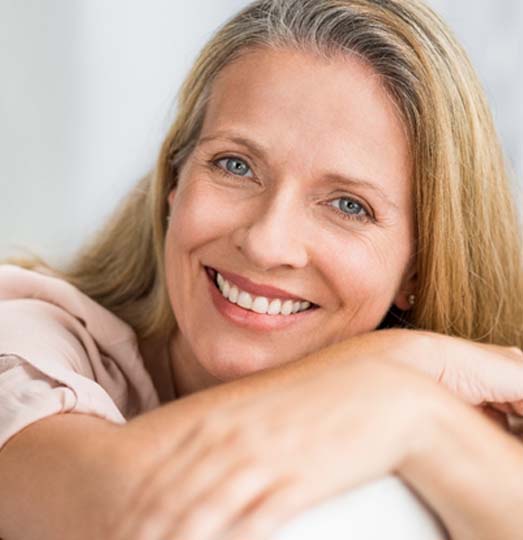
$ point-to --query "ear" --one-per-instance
(170, 197)
(408, 287)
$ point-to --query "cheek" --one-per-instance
(199, 215)
(365, 270)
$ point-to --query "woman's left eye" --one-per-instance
(351, 209)
(234, 166)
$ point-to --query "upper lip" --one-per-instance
(257, 289)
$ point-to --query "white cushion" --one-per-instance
(383, 509)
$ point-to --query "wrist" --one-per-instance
(466, 468)
(437, 410)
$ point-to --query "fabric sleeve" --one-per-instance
(48, 365)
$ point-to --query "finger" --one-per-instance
(152, 515)
(195, 469)
(269, 513)
(131, 525)
(500, 380)
(215, 509)
(209, 467)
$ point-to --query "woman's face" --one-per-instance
(300, 181)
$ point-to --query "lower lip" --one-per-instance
(250, 319)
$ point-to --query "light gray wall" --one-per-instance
(86, 93)
(87, 88)
(491, 32)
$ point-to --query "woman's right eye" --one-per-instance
(233, 166)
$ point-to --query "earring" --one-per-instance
(168, 219)
(411, 299)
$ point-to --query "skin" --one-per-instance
(280, 220)
(236, 461)
(251, 452)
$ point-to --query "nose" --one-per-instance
(275, 234)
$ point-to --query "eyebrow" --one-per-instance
(261, 152)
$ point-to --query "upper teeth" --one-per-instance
(259, 304)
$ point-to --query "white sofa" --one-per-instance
(382, 510)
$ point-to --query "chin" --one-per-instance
(228, 367)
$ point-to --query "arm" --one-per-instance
(436, 419)
(470, 472)
(60, 479)
(109, 462)
(68, 475)
(64, 476)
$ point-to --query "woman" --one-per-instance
(329, 219)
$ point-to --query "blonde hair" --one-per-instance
(469, 258)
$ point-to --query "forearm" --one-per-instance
(470, 473)
(152, 435)
(66, 476)
(59, 478)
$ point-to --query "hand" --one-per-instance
(479, 374)
(246, 469)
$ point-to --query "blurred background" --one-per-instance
(88, 88)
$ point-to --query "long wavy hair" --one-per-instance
(468, 256)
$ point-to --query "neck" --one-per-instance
(156, 361)
(188, 374)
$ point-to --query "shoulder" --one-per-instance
(67, 339)
(20, 284)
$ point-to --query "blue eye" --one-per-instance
(347, 207)
(233, 165)
(351, 209)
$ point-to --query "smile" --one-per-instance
(255, 312)
(258, 304)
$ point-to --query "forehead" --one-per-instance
(302, 107)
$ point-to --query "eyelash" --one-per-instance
(367, 217)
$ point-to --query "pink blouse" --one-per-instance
(62, 352)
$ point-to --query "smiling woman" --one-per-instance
(285, 212)
(330, 219)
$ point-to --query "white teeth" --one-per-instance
(220, 280)
(245, 300)
(233, 294)
(274, 307)
(286, 308)
(259, 304)
(226, 288)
